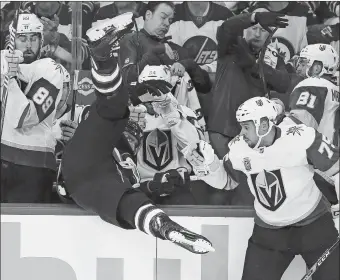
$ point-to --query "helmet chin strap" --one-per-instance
(261, 136)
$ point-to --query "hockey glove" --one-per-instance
(68, 128)
(10, 62)
(270, 19)
(168, 109)
(165, 183)
(138, 114)
(202, 158)
(103, 39)
(153, 84)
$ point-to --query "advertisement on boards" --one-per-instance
(86, 248)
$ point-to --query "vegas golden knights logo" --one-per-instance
(322, 47)
(269, 189)
(157, 149)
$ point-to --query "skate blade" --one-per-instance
(199, 246)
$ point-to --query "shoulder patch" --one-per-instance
(295, 130)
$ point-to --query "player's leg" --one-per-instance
(316, 239)
(268, 254)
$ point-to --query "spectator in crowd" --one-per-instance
(150, 46)
(237, 76)
(293, 38)
(27, 144)
(194, 28)
(327, 30)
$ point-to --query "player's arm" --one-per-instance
(186, 130)
(306, 103)
(39, 102)
(199, 77)
(216, 173)
(321, 153)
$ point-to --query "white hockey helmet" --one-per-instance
(256, 108)
(29, 23)
(323, 53)
(160, 72)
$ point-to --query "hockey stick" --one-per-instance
(261, 62)
(320, 261)
(12, 34)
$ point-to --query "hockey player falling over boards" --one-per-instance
(291, 216)
(93, 177)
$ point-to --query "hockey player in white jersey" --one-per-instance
(315, 102)
(291, 216)
(27, 144)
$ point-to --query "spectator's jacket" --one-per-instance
(135, 48)
(27, 137)
(198, 34)
(235, 84)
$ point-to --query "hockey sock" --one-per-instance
(144, 216)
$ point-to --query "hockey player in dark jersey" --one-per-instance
(92, 163)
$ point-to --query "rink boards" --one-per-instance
(63, 242)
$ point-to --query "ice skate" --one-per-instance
(163, 227)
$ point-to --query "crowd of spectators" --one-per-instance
(217, 45)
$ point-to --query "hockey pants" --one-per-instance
(270, 251)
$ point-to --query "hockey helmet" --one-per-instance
(255, 109)
(323, 53)
(29, 23)
(158, 73)
(153, 72)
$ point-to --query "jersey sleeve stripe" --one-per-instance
(332, 170)
(105, 78)
(300, 116)
(23, 116)
(109, 89)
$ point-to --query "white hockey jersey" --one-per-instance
(27, 137)
(162, 146)
(314, 102)
(280, 176)
(186, 95)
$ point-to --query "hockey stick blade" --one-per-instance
(320, 261)
(199, 245)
